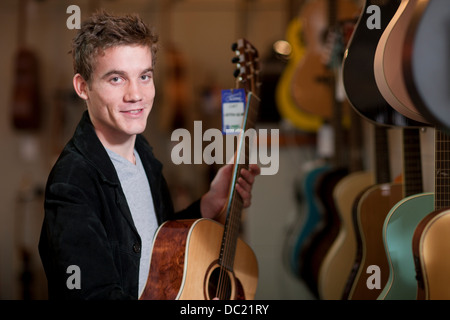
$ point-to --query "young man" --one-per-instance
(106, 194)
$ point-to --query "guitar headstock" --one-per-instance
(247, 66)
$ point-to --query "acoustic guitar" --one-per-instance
(301, 231)
(202, 259)
(427, 40)
(358, 69)
(312, 78)
(370, 211)
(388, 67)
(338, 261)
(402, 220)
(430, 240)
(284, 96)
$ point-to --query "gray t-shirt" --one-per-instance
(137, 191)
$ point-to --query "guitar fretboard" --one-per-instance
(382, 165)
(235, 203)
(442, 170)
(412, 170)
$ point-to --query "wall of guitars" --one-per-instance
(383, 65)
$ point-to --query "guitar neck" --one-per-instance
(382, 165)
(248, 79)
(442, 170)
(235, 202)
(412, 163)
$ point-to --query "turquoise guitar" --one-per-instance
(313, 213)
(402, 220)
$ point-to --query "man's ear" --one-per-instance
(81, 86)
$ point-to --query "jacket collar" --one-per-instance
(86, 141)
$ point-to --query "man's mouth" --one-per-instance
(134, 111)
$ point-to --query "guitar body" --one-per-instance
(430, 243)
(372, 209)
(358, 69)
(427, 39)
(313, 215)
(313, 254)
(184, 263)
(398, 232)
(338, 261)
(312, 79)
(284, 96)
(388, 67)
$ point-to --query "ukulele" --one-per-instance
(427, 40)
(402, 220)
(202, 259)
(358, 69)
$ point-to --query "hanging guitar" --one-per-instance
(358, 69)
(285, 101)
(427, 40)
(310, 85)
(402, 220)
(430, 241)
(388, 67)
(201, 259)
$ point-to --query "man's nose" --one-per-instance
(133, 93)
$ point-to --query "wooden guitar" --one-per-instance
(430, 240)
(388, 67)
(358, 69)
(338, 261)
(284, 96)
(312, 78)
(402, 220)
(202, 259)
(427, 39)
(370, 211)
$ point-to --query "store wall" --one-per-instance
(203, 31)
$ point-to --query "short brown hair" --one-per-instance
(104, 30)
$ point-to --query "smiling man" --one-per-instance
(106, 194)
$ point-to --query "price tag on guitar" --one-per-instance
(233, 106)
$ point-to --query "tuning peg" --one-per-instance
(234, 46)
(235, 59)
(236, 73)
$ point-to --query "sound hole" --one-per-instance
(219, 284)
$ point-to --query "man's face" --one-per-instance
(121, 93)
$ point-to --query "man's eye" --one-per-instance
(145, 77)
(115, 79)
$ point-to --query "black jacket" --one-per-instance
(88, 222)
